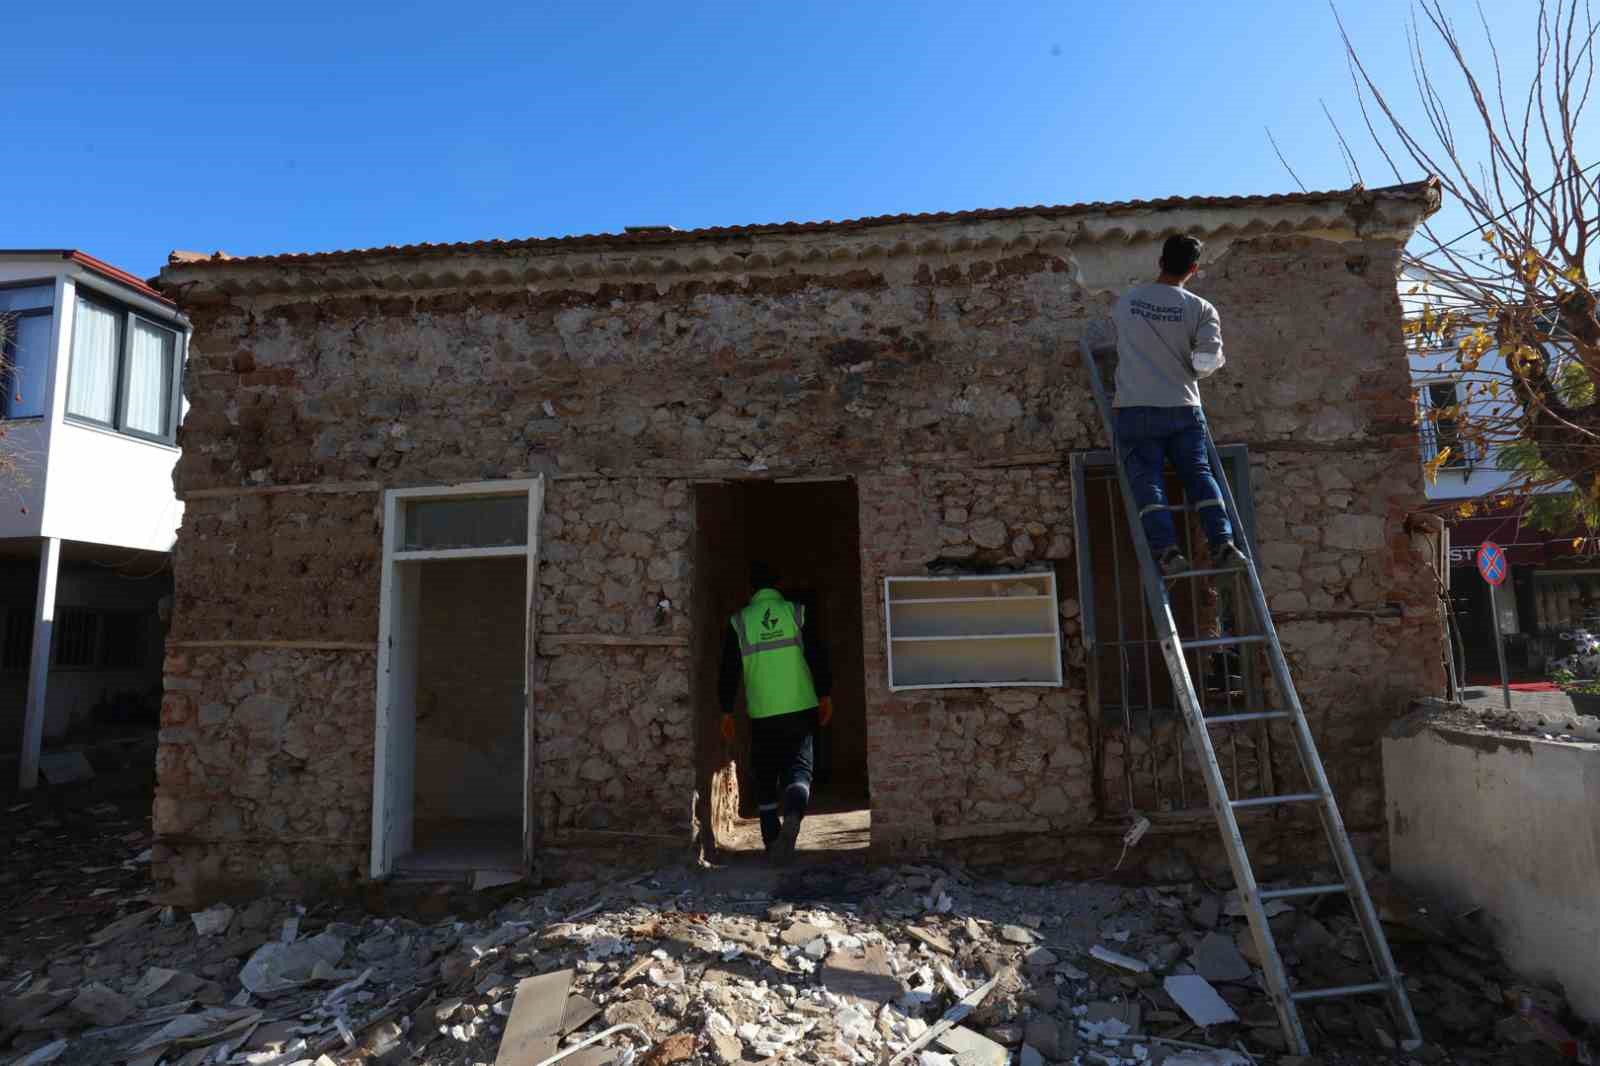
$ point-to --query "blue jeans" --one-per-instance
(1149, 436)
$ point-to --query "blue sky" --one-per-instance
(302, 126)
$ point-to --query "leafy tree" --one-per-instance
(1506, 306)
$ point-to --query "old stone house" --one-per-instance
(464, 524)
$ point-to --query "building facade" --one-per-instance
(464, 524)
(1553, 584)
(92, 402)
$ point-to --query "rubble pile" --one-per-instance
(927, 965)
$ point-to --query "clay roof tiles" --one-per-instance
(1426, 191)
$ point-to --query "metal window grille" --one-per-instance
(77, 638)
(1440, 433)
(1143, 758)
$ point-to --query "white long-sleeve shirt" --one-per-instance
(1167, 340)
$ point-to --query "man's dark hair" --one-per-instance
(762, 576)
(1180, 254)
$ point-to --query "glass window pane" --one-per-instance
(474, 522)
(148, 402)
(27, 299)
(27, 355)
(92, 377)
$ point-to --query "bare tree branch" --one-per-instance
(1279, 153)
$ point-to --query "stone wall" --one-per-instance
(264, 769)
(945, 383)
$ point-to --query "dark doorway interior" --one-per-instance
(810, 532)
(469, 707)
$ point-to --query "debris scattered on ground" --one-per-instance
(927, 964)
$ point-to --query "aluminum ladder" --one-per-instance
(1173, 647)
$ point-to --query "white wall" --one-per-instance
(1511, 825)
(1483, 477)
(83, 483)
(105, 488)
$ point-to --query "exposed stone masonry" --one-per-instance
(948, 387)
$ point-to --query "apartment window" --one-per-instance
(26, 325)
(77, 638)
(124, 372)
(1441, 432)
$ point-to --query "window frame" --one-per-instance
(1460, 459)
(59, 634)
(119, 414)
(7, 379)
(45, 282)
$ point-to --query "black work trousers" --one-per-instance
(782, 756)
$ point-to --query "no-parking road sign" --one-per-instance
(1492, 562)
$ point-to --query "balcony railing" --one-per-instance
(1464, 456)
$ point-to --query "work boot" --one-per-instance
(1227, 556)
(1172, 562)
(771, 830)
(782, 850)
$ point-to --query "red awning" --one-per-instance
(1524, 544)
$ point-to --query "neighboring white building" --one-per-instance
(1471, 471)
(90, 410)
(1552, 588)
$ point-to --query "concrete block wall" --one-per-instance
(1466, 808)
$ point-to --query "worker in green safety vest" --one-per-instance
(786, 690)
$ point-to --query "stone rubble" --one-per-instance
(824, 965)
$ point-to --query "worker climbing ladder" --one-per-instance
(1286, 1000)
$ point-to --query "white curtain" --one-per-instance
(149, 378)
(92, 388)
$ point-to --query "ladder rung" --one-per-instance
(1251, 716)
(1219, 642)
(1342, 990)
(1202, 573)
(1269, 801)
(1303, 890)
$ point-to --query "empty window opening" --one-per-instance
(1144, 759)
(809, 532)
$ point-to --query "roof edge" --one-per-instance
(97, 266)
(1393, 209)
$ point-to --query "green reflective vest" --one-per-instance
(776, 677)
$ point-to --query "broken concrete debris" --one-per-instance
(713, 967)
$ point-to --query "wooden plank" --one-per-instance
(535, 1022)
(579, 1012)
(972, 1046)
(608, 640)
(326, 487)
(296, 645)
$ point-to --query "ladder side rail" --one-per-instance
(1216, 788)
(1332, 821)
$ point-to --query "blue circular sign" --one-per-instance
(1492, 562)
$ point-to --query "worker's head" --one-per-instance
(1180, 257)
(762, 575)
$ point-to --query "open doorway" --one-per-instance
(451, 781)
(809, 532)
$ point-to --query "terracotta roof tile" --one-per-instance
(648, 235)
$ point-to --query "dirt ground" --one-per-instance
(832, 960)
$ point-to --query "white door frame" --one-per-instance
(394, 742)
